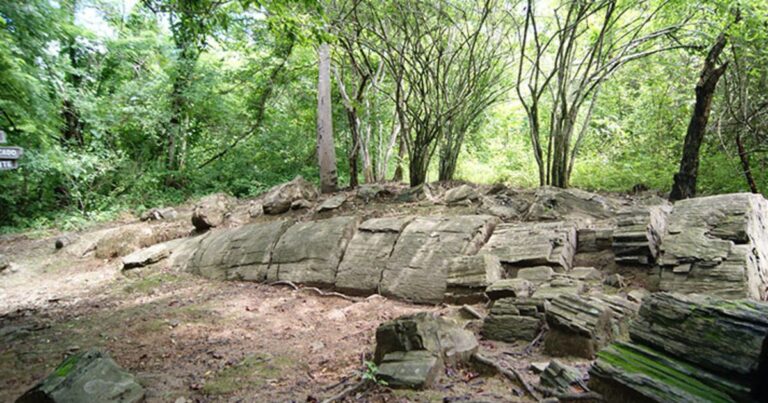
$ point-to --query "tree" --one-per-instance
(684, 186)
(326, 151)
(564, 59)
(445, 64)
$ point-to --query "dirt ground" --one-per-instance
(191, 339)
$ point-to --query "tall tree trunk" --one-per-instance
(744, 157)
(398, 177)
(685, 179)
(72, 133)
(354, 127)
(326, 153)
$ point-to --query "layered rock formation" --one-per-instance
(688, 349)
(717, 245)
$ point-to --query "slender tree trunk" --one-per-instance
(685, 179)
(354, 127)
(744, 157)
(326, 153)
(398, 177)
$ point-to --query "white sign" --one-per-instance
(8, 164)
(10, 153)
(2, 137)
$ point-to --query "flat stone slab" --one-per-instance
(367, 254)
(717, 245)
(638, 233)
(534, 244)
(410, 369)
(509, 288)
(147, 256)
(310, 252)
(536, 275)
(418, 267)
(91, 376)
(468, 277)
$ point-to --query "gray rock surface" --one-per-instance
(280, 198)
(147, 256)
(157, 214)
(4, 262)
(90, 376)
(717, 245)
(123, 240)
(688, 348)
(638, 233)
(510, 288)
(333, 202)
(460, 194)
(417, 268)
(534, 244)
(469, 276)
(561, 378)
(551, 203)
(559, 286)
(578, 326)
(242, 253)
(585, 274)
(512, 319)
(726, 337)
(410, 369)
(411, 350)
(536, 275)
(212, 210)
(310, 252)
(367, 254)
(595, 238)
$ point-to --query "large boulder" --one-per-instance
(367, 254)
(460, 194)
(551, 203)
(212, 211)
(717, 245)
(242, 253)
(148, 256)
(417, 268)
(310, 252)
(90, 376)
(123, 240)
(280, 198)
(578, 326)
(534, 244)
(412, 350)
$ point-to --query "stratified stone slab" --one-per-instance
(534, 244)
(637, 237)
(468, 277)
(717, 245)
(310, 252)
(418, 267)
(410, 369)
(578, 326)
(368, 253)
(512, 319)
(242, 253)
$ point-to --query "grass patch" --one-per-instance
(146, 285)
(253, 371)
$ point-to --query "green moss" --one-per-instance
(66, 367)
(632, 359)
(146, 285)
(253, 371)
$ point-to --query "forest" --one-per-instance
(132, 104)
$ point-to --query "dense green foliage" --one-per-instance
(133, 104)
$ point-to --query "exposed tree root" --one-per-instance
(316, 290)
(510, 373)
